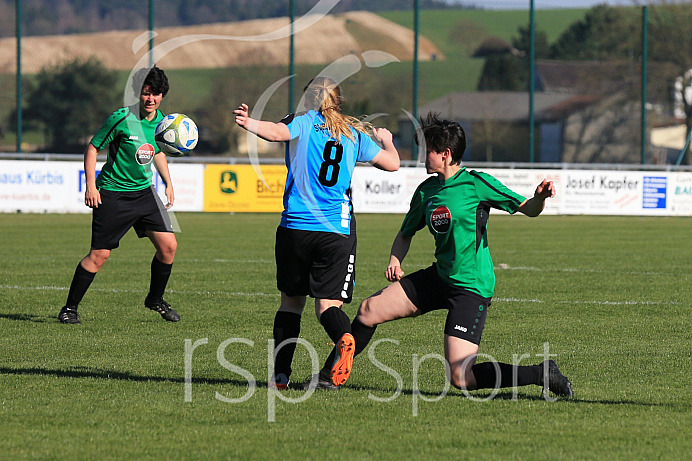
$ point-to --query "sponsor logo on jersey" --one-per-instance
(145, 154)
(441, 219)
(133, 137)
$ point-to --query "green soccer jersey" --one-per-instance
(131, 149)
(456, 212)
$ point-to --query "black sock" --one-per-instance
(361, 334)
(160, 274)
(486, 374)
(286, 326)
(335, 323)
(81, 280)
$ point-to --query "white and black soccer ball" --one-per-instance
(176, 135)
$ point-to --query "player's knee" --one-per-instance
(292, 304)
(366, 313)
(172, 248)
(95, 260)
(168, 250)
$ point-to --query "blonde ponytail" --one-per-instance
(324, 94)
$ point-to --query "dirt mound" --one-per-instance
(318, 40)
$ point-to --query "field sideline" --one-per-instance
(609, 296)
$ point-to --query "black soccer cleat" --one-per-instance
(69, 315)
(557, 382)
(163, 308)
(321, 383)
(322, 380)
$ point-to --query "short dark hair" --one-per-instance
(154, 78)
(443, 134)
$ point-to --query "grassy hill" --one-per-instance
(387, 89)
(459, 71)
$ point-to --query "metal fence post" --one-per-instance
(644, 77)
(18, 17)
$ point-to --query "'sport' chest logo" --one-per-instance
(441, 220)
(145, 154)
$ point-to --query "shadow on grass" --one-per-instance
(24, 317)
(509, 395)
(85, 372)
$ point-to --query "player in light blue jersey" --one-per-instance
(316, 239)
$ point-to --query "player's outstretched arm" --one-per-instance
(535, 205)
(400, 248)
(388, 157)
(269, 131)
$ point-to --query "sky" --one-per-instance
(543, 4)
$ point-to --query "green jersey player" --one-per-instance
(454, 205)
(122, 196)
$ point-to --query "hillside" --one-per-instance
(221, 45)
(59, 17)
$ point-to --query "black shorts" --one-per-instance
(317, 264)
(119, 211)
(467, 310)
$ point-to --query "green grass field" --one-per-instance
(609, 295)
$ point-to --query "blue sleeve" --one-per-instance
(300, 125)
(368, 149)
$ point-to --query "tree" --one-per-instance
(669, 33)
(508, 68)
(503, 73)
(670, 41)
(541, 44)
(70, 101)
(368, 92)
(605, 33)
(218, 132)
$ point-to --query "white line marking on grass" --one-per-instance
(15, 287)
(611, 303)
(239, 261)
(515, 300)
(506, 267)
(240, 293)
(623, 303)
(116, 290)
(227, 261)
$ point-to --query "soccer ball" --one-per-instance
(176, 135)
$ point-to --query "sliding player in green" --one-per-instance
(454, 205)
